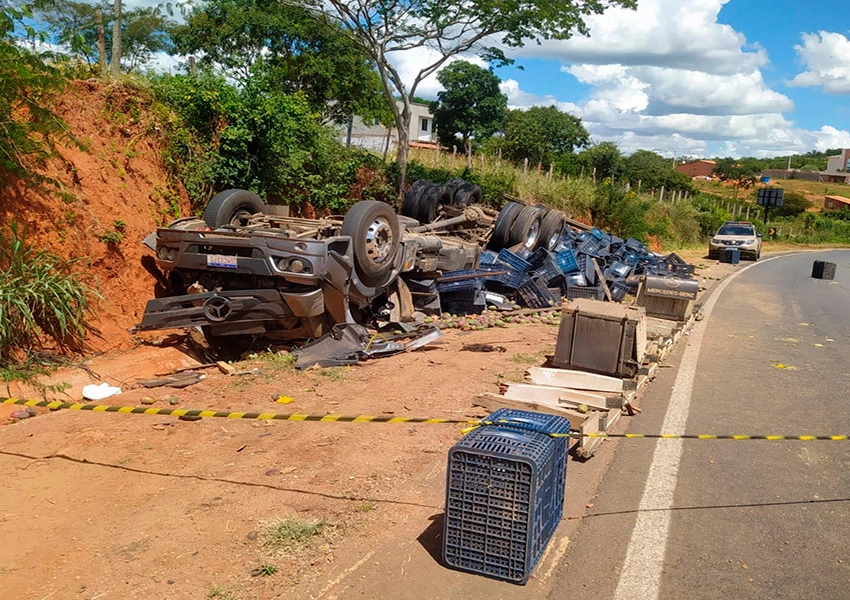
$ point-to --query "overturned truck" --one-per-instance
(243, 271)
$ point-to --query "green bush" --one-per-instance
(39, 296)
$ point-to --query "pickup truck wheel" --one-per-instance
(467, 194)
(430, 202)
(502, 228)
(374, 231)
(410, 204)
(551, 229)
(232, 207)
(526, 227)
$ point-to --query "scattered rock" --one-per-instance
(146, 400)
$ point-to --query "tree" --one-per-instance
(385, 28)
(742, 173)
(652, 171)
(28, 126)
(601, 160)
(77, 26)
(283, 49)
(470, 107)
(542, 134)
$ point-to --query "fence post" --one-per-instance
(454, 155)
(639, 182)
(748, 213)
(661, 196)
(525, 167)
(483, 158)
(551, 169)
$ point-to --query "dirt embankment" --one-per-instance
(116, 191)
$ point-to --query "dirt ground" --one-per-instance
(127, 506)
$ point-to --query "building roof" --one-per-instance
(840, 199)
(699, 160)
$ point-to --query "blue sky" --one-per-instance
(700, 78)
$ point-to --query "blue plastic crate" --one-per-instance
(464, 302)
(533, 293)
(598, 234)
(488, 258)
(512, 260)
(618, 288)
(594, 292)
(575, 280)
(567, 261)
(502, 501)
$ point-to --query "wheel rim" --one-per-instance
(241, 216)
(533, 231)
(379, 240)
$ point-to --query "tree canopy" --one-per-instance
(542, 134)
(741, 173)
(144, 30)
(652, 171)
(449, 29)
(285, 49)
(470, 107)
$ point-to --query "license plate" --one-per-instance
(217, 260)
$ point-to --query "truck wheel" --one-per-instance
(502, 229)
(467, 194)
(454, 184)
(526, 227)
(551, 229)
(410, 204)
(374, 231)
(232, 207)
(430, 202)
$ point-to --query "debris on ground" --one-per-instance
(99, 392)
(179, 380)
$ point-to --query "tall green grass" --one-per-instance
(39, 297)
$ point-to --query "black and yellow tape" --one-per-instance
(182, 412)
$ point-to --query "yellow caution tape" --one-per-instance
(472, 423)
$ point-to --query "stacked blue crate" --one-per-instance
(504, 494)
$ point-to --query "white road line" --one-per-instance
(640, 578)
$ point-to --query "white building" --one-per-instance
(374, 136)
(840, 163)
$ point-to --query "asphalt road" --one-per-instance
(741, 519)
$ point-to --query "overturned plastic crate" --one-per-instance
(504, 498)
(567, 261)
(592, 292)
(618, 288)
(463, 302)
(500, 276)
(514, 261)
(466, 279)
(534, 293)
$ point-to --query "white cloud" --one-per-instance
(827, 58)
(663, 33)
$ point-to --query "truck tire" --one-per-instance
(526, 228)
(468, 193)
(551, 228)
(375, 236)
(410, 204)
(430, 202)
(502, 228)
(454, 184)
(232, 207)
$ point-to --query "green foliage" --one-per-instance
(281, 47)
(653, 172)
(542, 134)
(470, 107)
(222, 137)
(39, 296)
(29, 127)
(742, 173)
(793, 204)
(266, 570)
(601, 161)
(710, 213)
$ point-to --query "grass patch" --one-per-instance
(221, 593)
(281, 360)
(291, 534)
(367, 507)
(332, 373)
(29, 369)
(526, 359)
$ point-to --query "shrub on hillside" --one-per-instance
(39, 296)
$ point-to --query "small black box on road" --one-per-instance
(823, 270)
